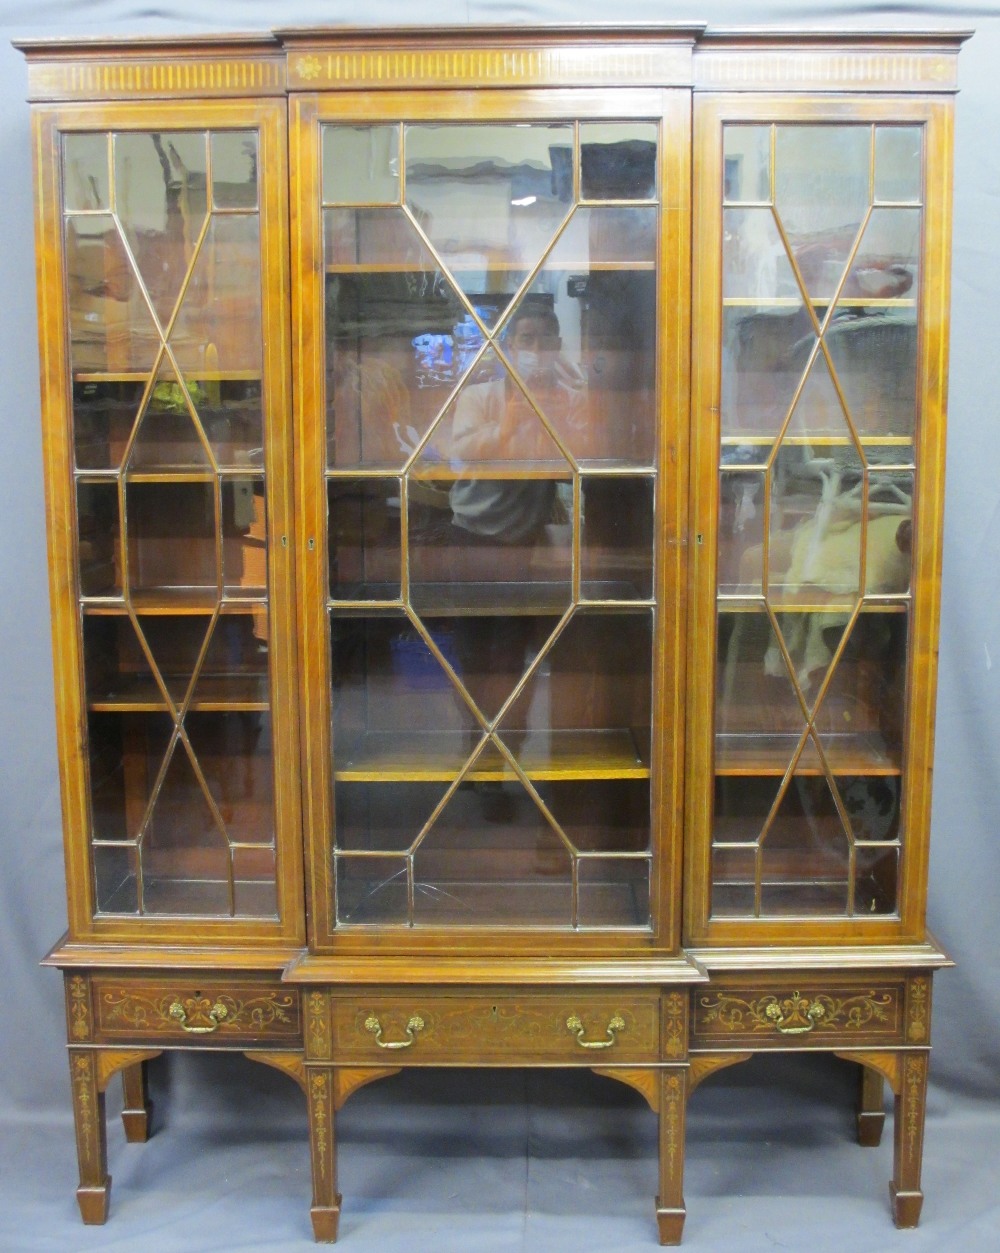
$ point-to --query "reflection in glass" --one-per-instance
(86, 168)
(741, 532)
(490, 198)
(398, 338)
(364, 520)
(110, 324)
(746, 164)
(754, 258)
(876, 881)
(218, 325)
(872, 804)
(605, 318)
(161, 199)
(618, 160)
(805, 856)
(116, 878)
(890, 532)
(822, 190)
(360, 164)
(234, 169)
(899, 163)
(765, 352)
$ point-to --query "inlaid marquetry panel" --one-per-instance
(801, 1016)
(206, 1012)
(804, 69)
(428, 1029)
(123, 79)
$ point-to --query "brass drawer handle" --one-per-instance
(415, 1024)
(800, 1017)
(574, 1024)
(217, 1014)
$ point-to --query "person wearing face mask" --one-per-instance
(495, 421)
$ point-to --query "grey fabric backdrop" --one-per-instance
(513, 1161)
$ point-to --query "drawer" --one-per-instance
(804, 1012)
(430, 1029)
(193, 1010)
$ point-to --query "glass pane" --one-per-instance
(899, 163)
(734, 881)
(614, 892)
(394, 702)
(365, 520)
(618, 160)
(491, 858)
(747, 164)
(876, 881)
(171, 536)
(371, 890)
(167, 435)
(743, 803)
(805, 856)
(600, 726)
(360, 164)
(385, 815)
(759, 716)
(111, 327)
(872, 803)
(103, 416)
(162, 201)
(234, 753)
(489, 197)
(116, 876)
(822, 190)
(755, 263)
(741, 533)
(600, 815)
(86, 172)
(255, 883)
(890, 532)
(814, 541)
(98, 539)
(244, 537)
(616, 540)
(391, 331)
(234, 169)
(218, 327)
(589, 360)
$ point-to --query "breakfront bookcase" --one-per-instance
(494, 499)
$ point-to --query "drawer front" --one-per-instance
(429, 1029)
(809, 1013)
(203, 1012)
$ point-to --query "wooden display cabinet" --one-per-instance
(575, 627)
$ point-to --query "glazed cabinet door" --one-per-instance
(163, 281)
(820, 290)
(487, 463)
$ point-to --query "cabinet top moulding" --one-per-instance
(395, 58)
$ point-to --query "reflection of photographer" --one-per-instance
(495, 422)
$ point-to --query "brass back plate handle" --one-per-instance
(616, 1024)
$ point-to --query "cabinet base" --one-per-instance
(325, 1220)
(93, 1203)
(670, 1223)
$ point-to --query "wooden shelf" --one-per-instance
(233, 693)
(446, 472)
(437, 757)
(488, 267)
(820, 302)
(749, 755)
(185, 600)
(191, 376)
(757, 440)
(490, 600)
(810, 601)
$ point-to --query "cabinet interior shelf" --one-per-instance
(755, 439)
(749, 755)
(488, 267)
(213, 694)
(444, 600)
(812, 600)
(199, 601)
(819, 302)
(190, 376)
(437, 757)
